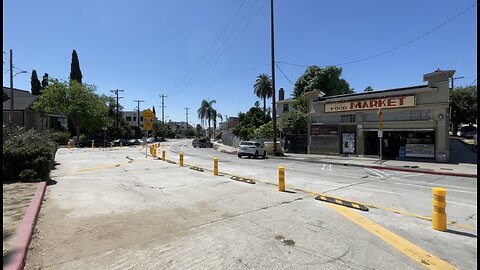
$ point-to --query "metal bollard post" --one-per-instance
(215, 166)
(154, 152)
(68, 145)
(120, 144)
(439, 217)
(181, 159)
(163, 154)
(281, 178)
(93, 141)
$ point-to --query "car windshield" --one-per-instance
(246, 143)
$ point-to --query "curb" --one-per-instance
(25, 231)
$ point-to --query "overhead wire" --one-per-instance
(395, 48)
(210, 47)
(209, 64)
(473, 82)
(283, 73)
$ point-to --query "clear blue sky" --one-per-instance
(150, 48)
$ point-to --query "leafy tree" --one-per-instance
(294, 122)
(326, 80)
(45, 81)
(265, 131)
(301, 104)
(206, 112)
(368, 89)
(263, 88)
(249, 121)
(199, 130)
(75, 72)
(76, 101)
(36, 86)
(257, 104)
(159, 129)
(464, 105)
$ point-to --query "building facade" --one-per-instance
(411, 122)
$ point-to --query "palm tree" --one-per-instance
(214, 117)
(205, 112)
(263, 88)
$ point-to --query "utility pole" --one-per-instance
(274, 110)
(163, 107)
(10, 118)
(138, 111)
(456, 79)
(186, 114)
(116, 93)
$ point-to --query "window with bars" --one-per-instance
(347, 118)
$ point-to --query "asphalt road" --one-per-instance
(117, 209)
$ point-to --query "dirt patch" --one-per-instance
(16, 198)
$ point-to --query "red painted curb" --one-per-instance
(25, 231)
(424, 171)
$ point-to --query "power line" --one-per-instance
(281, 71)
(395, 48)
(138, 111)
(473, 82)
(211, 46)
(209, 64)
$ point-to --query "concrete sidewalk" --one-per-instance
(422, 166)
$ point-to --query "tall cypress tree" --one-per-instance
(36, 86)
(44, 81)
(75, 72)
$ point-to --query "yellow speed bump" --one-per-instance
(342, 202)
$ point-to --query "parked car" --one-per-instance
(467, 130)
(117, 142)
(135, 142)
(150, 140)
(475, 141)
(251, 149)
(195, 142)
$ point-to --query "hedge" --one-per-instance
(28, 156)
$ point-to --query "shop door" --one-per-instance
(348, 143)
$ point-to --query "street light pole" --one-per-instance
(10, 117)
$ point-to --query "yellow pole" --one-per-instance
(181, 159)
(163, 154)
(68, 145)
(281, 178)
(154, 152)
(93, 146)
(439, 217)
(215, 166)
(120, 144)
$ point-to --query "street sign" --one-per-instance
(147, 124)
(148, 114)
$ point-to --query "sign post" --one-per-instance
(380, 132)
(147, 125)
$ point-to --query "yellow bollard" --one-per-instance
(93, 146)
(439, 217)
(120, 144)
(163, 154)
(68, 145)
(215, 166)
(281, 178)
(154, 152)
(181, 159)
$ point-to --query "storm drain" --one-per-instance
(342, 202)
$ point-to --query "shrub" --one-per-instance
(60, 137)
(27, 156)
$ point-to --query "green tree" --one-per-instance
(206, 112)
(76, 101)
(44, 80)
(265, 131)
(36, 86)
(199, 130)
(249, 121)
(263, 88)
(464, 105)
(257, 104)
(159, 129)
(326, 80)
(294, 122)
(301, 104)
(368, 89)
(75, 72)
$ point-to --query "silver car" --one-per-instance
(251, 149)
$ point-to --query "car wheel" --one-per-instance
(256, 154)
(239, 156)
(264, 155)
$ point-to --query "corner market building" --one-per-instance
(414, 122)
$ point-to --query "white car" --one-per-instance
(475, 141)
(251, 149)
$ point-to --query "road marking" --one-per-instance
(430, 187)
(375, 172)
(323, 167)
(416, 253)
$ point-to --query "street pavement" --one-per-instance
(463, 161)
(120, 208)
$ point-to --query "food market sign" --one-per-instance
(371, 104)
